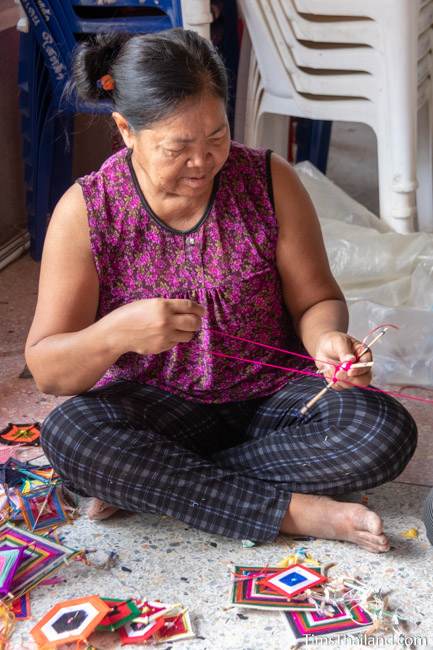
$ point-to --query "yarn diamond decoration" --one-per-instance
(294, 580)
(21, 434)
(121, 612)
(69, 621)
(150, 610)
(21, 607)
(10, 559)
(42, 556)
(248, 590)
(135, 632)
(346, 619)
(43, 508)
(175, 628)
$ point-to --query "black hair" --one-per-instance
(152, 73)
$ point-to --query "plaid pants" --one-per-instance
(226, 468)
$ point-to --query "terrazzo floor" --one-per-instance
(162, 558)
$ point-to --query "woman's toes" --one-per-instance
(374, 543)
(369, 521)
(383, 540)
(375, 549)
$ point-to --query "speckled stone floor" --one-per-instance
(162, 558)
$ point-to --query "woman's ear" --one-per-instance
(125, 129)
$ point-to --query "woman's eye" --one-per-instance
(219, 139)
(173, 152)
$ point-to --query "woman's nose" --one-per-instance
(199, 157)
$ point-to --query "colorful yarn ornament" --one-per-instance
(10, 560)
(70, 621)
(175, 628)
(293, 580)
(121, 612)
(7, 624)
(248, 590)
(344, 619)
(21, 607)
(21, 434)
(43, 557)
(43, 508)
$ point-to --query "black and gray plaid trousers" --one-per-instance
(226, 468)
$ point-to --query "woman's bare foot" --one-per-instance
(323, 517)
(100, 510)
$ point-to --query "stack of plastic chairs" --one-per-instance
(364, 61)
(54, 28)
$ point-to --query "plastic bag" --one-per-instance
(385, 277)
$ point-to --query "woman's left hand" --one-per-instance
(337, 348)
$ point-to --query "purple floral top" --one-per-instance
(227, 263)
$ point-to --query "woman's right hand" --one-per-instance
(155, 325)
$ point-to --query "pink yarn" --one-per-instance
(337, 366)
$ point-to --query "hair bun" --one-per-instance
(92, 60)
(147, 76)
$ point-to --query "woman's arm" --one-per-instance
(66, 351)
(311, 293)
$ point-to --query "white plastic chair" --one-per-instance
(286, 24)
(329, 57)
(333, 55)
(424, 195)
(352, 30)
(272, 93)
(385, 11)
(196, 15)
(348, 80)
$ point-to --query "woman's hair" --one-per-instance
(152, 73)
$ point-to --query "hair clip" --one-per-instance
(106, 82)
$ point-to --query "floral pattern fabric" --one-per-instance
(227, 263)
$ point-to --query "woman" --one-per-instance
(180, 241)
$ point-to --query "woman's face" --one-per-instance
(182, 154)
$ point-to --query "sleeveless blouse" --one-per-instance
(226, 262)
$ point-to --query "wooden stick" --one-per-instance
(362, 364)
(315, 399)
(376, 338)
